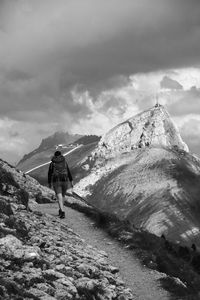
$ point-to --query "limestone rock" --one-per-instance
(13, 248)
(10, 243)
(5, 207)
(153, 127)
(51, 263)
(13, 180)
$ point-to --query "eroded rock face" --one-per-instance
(13, 182)
(153, 127)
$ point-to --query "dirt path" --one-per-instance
(142, 281)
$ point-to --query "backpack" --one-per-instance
(60, 168)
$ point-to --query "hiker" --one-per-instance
(60, 175)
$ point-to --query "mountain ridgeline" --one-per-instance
(144, 173)
(57, 138)
(79, 147)
(141, 170)
(151, 128)
(143, 180)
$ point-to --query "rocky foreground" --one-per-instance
(41, 258)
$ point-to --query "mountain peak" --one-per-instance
(59, 137)
(153, 127)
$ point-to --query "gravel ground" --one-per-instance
(142, 281)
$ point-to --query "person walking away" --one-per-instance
(60, 176)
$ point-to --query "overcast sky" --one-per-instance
(83, 66)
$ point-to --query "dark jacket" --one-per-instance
(52, 176)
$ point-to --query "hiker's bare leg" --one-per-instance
(64, 189)
(63, 196)
(60, 201)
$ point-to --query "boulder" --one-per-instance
(5, 206)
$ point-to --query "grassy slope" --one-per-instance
(155, 189)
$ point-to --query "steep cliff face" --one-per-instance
(151, 128)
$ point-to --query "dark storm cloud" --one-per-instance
(165, 37)
(75, 102)
(90, 42)
(58, 58)
(21, 92)
(34, 98)
(171, 84)
(17, 75)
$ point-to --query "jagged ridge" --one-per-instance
(150, 128)
(143, 172)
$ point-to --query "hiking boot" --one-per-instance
(62, 215)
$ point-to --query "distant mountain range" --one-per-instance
(77, 145)
(141, 170)
(50, 142)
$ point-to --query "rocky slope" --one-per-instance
(12, 180)
(42, 258)
(144, 173)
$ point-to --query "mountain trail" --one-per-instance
(143, 282)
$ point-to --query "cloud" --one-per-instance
(20, 137)
(168, 83)
(95, 110)
(111, 107)
(49, 47)
(10, 141)
(185, 103)
(93, 40)
(16, 75)
(189, 126)
(87, 65)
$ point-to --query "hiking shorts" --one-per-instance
(60, 187)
